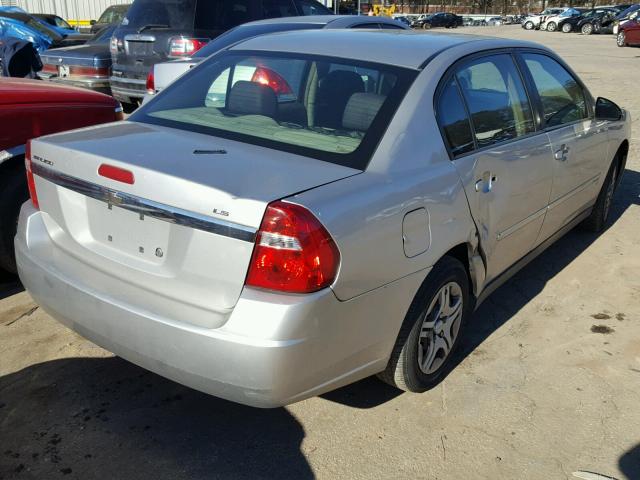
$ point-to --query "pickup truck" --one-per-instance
(29, 109)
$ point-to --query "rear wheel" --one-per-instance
(621, 39)
(598, 218)
(587, 29)
(551, 27)
(528, 26)
(13, 193)
(431, 329)
(566, 28)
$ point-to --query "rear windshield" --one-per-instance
(174, 14)
(327, 108)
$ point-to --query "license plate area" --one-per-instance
(129, 232)
(63, 71)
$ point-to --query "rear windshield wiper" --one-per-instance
(153, 26)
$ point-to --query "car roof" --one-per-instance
(405, 49)
(334, 20)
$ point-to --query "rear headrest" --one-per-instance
(361, 109)
(252, 98)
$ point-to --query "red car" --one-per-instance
(29, 109)
(629, 32)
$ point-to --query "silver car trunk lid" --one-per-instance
(183, 231)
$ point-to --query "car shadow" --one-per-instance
(629, 463)
(506, 301)
(105, 417)
(9, 285)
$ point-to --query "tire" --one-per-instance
(528, 26)
(566, 28)
(587, 29)
(13, 193)
(552, 27)
(404, 370)
(621, 39)
(600, 213)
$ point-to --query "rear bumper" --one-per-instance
(97, 84)
(127, 90)
(273, 350)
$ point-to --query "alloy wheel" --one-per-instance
(551, 27)
(528, 26)
(587, 29)
(620, 39)
(440, 327)
(566, 28)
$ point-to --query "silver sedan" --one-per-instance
(309, 208)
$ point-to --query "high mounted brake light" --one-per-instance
(293, 253)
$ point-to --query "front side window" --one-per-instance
(563, 100)
(496, 99)
(331, 109)
(453, 119)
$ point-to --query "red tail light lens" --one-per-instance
(31, 183)
(89, 71)
(268, 77)
(293, 252)
(116, 173)
(184, 47)
(151, 83)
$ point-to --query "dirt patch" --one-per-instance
(601, 329)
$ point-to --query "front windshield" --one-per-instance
(332, 109)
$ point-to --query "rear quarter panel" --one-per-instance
(409, 170)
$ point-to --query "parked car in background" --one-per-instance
(87, 66)
(216, 241)
(29, 109)
(162, 74)
(402, 19)
(112, 15)
(629, 31)
(441, 19)
(533, 22)
(559, 22)
(157, 30)
(43, 36)
(599, 20)
(494, 21)
(467, 21)
(625, 15)
(58, 23)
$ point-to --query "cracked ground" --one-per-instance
(546, 384)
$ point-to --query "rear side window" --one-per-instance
(563, 100)
(311, 7)
(453, 119)
(496, 99)
(278, 8)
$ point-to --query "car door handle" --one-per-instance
(485, 184)
(562, 153)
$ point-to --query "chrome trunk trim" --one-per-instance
(149, 208)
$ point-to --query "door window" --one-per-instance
(311, 7)
(496, 99)
(563, 100)
(453, 119)
(278, 8)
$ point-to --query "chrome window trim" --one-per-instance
(159, 211)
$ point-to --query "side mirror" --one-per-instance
(92, 22)
(607, 110)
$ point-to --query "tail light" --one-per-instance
(113, 45)
(31, 183)
(293, 252)
(184, 47)
(151, 84)
(49, 68)
(268, 77)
